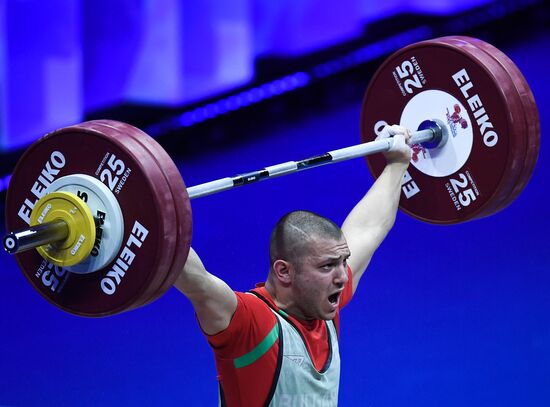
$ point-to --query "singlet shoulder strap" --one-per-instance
(261, 297)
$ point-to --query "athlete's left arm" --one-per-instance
(372, 218)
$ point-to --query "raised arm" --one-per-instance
(213, 300)
(372, 218)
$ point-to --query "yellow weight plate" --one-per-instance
(80, 221)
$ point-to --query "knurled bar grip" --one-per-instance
(343, 154)
(39, 235)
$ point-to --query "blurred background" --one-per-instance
(445, 316)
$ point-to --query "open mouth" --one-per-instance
(333, 299)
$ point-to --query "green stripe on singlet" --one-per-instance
(259, 350)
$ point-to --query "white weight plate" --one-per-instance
(109, 219)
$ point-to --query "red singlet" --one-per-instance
(252, 322)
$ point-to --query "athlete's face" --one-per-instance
(319, 278)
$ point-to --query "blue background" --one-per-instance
(445, 316)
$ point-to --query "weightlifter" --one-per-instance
(278, 343)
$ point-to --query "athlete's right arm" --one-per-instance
(213, 300)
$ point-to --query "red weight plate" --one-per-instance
(137, 184)
(531, 115)
(518, 136)
(183, 211)
(180, 197)
(432, 79)
(110, 128)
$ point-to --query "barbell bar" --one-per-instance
(36, 235)
(481, 111)
(58, 230)
(435, 132)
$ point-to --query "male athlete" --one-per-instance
(277, 345)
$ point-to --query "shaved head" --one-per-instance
(294, 232)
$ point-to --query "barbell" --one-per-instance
(110, 217)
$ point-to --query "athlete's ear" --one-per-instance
(283, 271)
